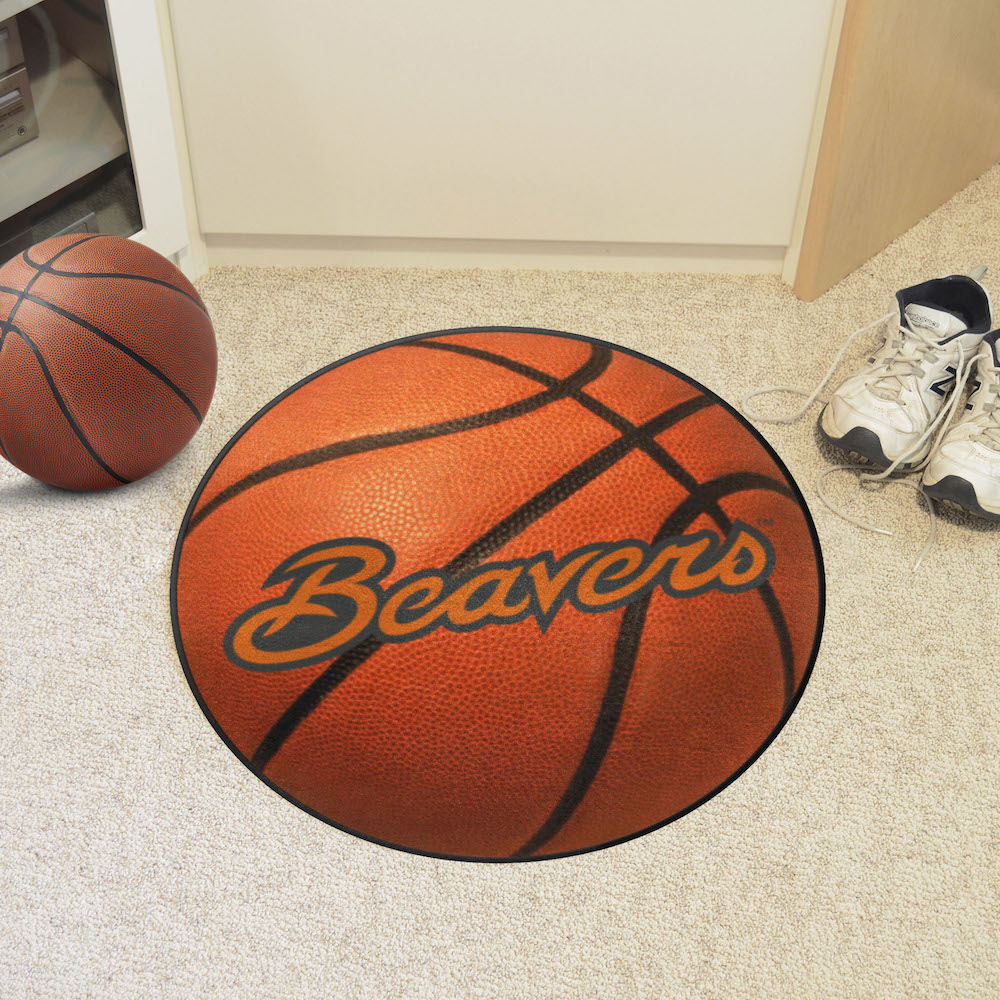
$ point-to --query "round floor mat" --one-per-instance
(497, 594)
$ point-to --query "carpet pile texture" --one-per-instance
(858, 858)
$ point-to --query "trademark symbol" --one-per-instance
(765, 522)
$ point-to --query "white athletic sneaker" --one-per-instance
(887, 412)
(965, 466)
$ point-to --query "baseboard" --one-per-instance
(329, 251)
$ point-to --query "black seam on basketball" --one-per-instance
(47, 269)
(127, 351)
(673, 468)
(557, 389)
(771, 604)
(612, 417)
(65, 409)
(339, 449)
(616, 690)
(22, 292)
(669, 464)
(569, 483)
(627, 647)
(785, 648)
(500, 360)
(21, 295)
(491, 541)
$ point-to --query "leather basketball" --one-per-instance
(497, 594)
(107, 361)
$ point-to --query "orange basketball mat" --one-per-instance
(497, 594)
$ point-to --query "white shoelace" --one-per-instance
(812, 396)
(895, 368)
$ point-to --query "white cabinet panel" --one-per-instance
(640, 121)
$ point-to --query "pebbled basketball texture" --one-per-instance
(107, 361)
(407, 594)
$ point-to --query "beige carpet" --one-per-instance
(857, 859)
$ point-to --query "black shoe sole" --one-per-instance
(961, 492)
(863, 442)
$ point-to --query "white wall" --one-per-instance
(637, 122)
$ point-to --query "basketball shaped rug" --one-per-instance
(497, 594)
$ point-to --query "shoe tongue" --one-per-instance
(939, 322)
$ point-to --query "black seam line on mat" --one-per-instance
(627, 650)
(670, 465)
(138, 358)
(594, 367)
(62, 406)
(488, 543)
(673, 468)
(22, 292)
(771, 604)
(651, 446)
(48, 269)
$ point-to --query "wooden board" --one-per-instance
(913, 116)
